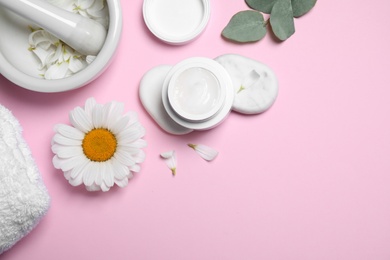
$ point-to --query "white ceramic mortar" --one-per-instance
(19, 66)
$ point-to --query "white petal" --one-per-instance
(67, 175)
(97, 116)
(77, 171)
(122, 182)
(129, 135)
(139, 157)
(83, 12)
(42, 39)
(120, 171)
(106, 114)
(80, 120)
(204, 151)
(69, 131)
(115, 112)
(140, 143)
(90, 104)
(120, 125)
(76, 64)
(67, 151)
(66, 164)
(42, 56)
(89, 59)
(60, 139)
(100, 171)
(135, 168)
(89, 174)
(124, 158)
(93, 187)
(104, 187)
(57, 71)
(56, 162)
(54, 56)
(131, 150)
(108, 175)
(167, 155)
(170, 160)
(78, 180)
(84, 4)
(133, 116)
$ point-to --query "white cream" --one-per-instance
(195, 94)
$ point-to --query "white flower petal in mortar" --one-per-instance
(97, 6)
(84, 4)
(76, 64)
(170, 160)
(57, 71)
(41, 39)
(204, 151)
(255, 84)
(98, 157)
(90, 58)
(42, 55)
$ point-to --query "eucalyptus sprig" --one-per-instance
(250, 26)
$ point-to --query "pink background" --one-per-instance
(308, 179)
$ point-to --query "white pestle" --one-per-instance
(81, 33)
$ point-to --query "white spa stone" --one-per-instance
(150, 94)
(255, 84)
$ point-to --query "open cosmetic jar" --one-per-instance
(198, 93)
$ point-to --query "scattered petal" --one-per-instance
(204, 151)
(170, 160)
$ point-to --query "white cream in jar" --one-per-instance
(198, 93)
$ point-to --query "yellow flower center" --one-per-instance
(99, 145)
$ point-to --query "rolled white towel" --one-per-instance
(24, 199)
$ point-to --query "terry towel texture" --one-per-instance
(24, 199)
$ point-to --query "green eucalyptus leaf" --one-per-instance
(282, 20)
(245, 26)
(301, 7)
(264, 6)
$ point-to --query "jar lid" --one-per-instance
(176, 21)
(204, 77)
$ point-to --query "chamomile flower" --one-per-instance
(101, 148)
